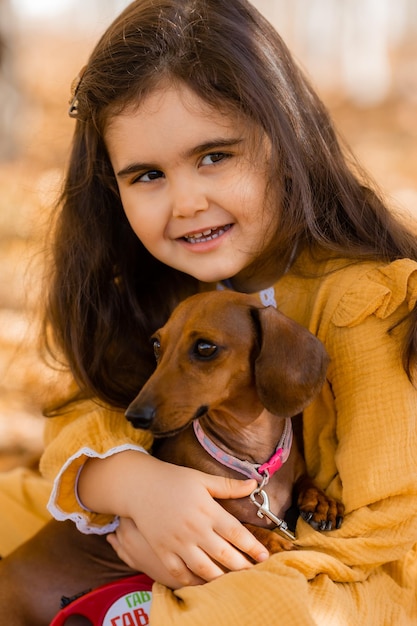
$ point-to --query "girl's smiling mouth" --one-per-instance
(206, 235)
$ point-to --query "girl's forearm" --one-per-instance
(107, 485)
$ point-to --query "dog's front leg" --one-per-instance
(317, 508)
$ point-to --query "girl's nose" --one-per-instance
(188, 198)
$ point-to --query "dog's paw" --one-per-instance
(320, 511)
(273, 541)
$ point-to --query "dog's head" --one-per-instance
(222, 352)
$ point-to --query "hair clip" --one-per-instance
(75, 85)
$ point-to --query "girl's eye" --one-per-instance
(204, 349)
(156, 344)
(213, 157)
(148, 177)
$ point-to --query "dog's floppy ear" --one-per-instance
(290, 368)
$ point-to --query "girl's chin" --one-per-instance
(209, 277)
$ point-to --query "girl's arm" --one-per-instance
(174, 514)
(86, 430)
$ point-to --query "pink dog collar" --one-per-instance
(248, 469)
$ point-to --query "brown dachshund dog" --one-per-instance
(230, 374)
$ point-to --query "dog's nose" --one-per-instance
(140, 417)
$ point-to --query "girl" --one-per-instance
(201, 156)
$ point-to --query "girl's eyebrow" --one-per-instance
(215, 144)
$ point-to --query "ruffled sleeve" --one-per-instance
(89, 430)
(380, 291)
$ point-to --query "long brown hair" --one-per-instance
(108, 294)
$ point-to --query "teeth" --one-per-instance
(206, 235)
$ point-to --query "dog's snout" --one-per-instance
(140, 417)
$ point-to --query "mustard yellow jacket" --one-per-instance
(360, 445)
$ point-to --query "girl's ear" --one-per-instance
(290, 368)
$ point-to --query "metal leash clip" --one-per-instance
(264, 510)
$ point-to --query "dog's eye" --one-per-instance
(156, 344)
(204, 349)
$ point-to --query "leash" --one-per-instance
(260, 472)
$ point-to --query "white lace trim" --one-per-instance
(81, 521)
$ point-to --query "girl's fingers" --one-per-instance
(228, 488)
(218, 555)
(226, 548)
(230, 549)
(227, 542)
(120, 550)
(243, 540)
(177, 573)
(230, 528)
(203, 566)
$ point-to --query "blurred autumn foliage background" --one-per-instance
(360, 54)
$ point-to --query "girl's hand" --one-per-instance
(191, 534)
(131, 547)
(176, 514)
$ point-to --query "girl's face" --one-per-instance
(192, 182)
